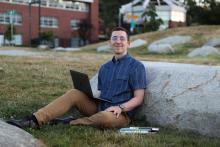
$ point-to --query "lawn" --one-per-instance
(29, 83)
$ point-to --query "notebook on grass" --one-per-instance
(81, 82)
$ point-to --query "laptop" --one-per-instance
(81, 83)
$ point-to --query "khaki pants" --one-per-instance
(86, 106)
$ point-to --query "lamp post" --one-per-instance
(30, 19)
(132, 20)
(119, 19)
(30, 33)
(11, 14)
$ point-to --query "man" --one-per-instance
(121, 80)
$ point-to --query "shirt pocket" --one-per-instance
(122, 84)
(106, 80)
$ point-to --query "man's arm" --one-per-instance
(135, 101)
(129, 105)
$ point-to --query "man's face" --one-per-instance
(119, 42)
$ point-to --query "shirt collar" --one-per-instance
(120, 59)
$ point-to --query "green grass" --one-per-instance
(29, 83)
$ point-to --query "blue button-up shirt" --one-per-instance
(118, 79)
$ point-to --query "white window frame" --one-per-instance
(48, 22)
(74, 24)
(5, 19)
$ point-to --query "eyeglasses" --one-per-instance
(121, 38)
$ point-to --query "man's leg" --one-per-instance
(61, 105)
(103, 119)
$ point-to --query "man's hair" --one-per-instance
(122, 29)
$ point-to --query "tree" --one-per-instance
(151, 22)
(47, 38)
(84, 31)
(208, 12)
(8, 33)
(109, 12)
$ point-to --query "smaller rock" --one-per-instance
(213, 42)
(161, 48)
(204, 51)
(42, 46)
(165, 45)
(137, 43)
(11, 136)
(104, 48)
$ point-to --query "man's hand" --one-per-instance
(115, 109)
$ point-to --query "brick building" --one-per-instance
(60, 17)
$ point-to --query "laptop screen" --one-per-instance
(81, 82)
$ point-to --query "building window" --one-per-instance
(78, 6)
(55, 5)
(43, 3)
(5, 19)
(4, 0)
(49, 22)
(20, 1)
(74, 24)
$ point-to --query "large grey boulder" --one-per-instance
(213, 42)
(204, 51)
(11, 136)
(165, 45)
(183, 96)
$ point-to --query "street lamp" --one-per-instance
(30, 18)
(11, 14)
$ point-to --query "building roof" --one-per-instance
(88, 1)
(174, 4)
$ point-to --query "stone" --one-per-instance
(165, 45)
(183, 96)
(204, 51)
(43, 46)
(213, 42)
(137, 43)
(161, 48)
(11, 136)
(104, 48)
